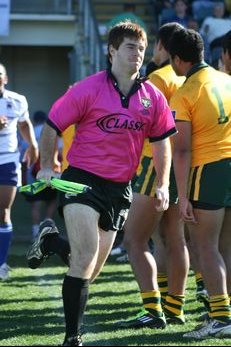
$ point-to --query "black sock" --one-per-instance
(58, 245)
(75, 296)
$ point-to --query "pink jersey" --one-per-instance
(111, 128)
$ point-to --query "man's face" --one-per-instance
(129, 56)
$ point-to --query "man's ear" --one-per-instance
(177, 60)
(111, 50)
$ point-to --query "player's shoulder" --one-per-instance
(98, 77)
(90, 84)
(15, 96)
(152, 89)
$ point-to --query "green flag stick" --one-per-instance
(68, 186)
(56, 183)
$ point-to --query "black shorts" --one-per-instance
(48, 194)
(111, 199)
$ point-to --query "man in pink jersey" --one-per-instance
(114, 110)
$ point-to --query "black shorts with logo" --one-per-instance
(111, 199)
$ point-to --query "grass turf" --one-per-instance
(32, 315)
(31, 311)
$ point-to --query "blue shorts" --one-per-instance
(10, 174)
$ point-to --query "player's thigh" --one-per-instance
(225, 237)
(171, 226)
(206, 232)
(142, 218)
(82, 228)
(7, 196)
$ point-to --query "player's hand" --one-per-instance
(3, 122)
(46, 174)
(186, 211)
(162, 195)
(31, 155)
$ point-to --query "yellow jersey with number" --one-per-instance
(205, 101)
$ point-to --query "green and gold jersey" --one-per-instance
(167, 82)
(205, 101)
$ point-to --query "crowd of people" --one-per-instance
(211, 18)
(162, 153)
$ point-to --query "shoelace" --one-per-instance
(56, 183)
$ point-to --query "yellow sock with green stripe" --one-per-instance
(174, 305)
(220, 309)
(152, 302)
(162, 280)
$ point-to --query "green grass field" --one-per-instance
(31, 312)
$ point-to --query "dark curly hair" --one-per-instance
(188, 45)
(226, 43)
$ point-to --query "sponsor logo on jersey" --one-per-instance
(115, 122)
(146, 102)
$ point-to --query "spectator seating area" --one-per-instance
(106, 10)
(154, 13)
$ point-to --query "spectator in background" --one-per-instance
(48, 195)
(194, 24)
(213, 29)
(202, 9)
(14, 116)
(160, 5)
(129, 13)
(180, 13)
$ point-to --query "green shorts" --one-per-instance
(210, 185)
(145, 182)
